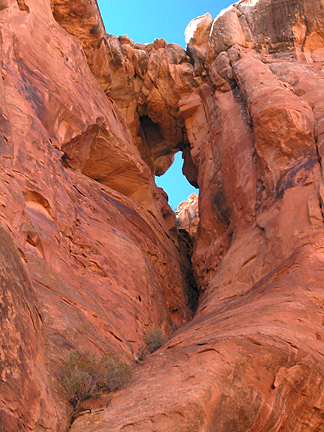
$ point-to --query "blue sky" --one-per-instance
(144, 21)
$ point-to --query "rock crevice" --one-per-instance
(90, 254)
(251, 139)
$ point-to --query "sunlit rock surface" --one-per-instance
(98, 259)
(93, 256)
(252, 358)
(187, 215)
(147, 83)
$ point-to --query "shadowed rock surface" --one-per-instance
(90, 255)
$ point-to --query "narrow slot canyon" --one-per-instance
(93, 257)
(186, 214)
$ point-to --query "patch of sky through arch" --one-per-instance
(146, 20)
(175, 184)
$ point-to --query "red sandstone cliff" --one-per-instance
(90, 255)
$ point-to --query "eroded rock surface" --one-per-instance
(91, 256)
(252, 358)
(82, 19)
(187, 216)
(99, 258)
(147, 83)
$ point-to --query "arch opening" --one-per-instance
(175, 183)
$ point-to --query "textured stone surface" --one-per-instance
(197, 38)
(252, 358)
(99, 261)
(187, 215)
(147, 83)
(101, 256)
(82, 19)
(22, 364)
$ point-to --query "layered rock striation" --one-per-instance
(90, 255)
(252, 358)
(89, 252)
(187, 215)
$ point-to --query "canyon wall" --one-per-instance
(90, 253)
(90, 257)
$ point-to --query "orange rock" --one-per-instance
(91, 256)
(82, 20)
(147, 84)
(252, 358)
(197, 37)
(26, 390)
(283, 124)
(187, 215)
(99, 241)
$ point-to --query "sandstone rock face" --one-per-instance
(82, 20)
(197, 38)
(252, 357)
(23, 371)
(90, 255)
(187, 216)
(147, 83)
(99, 259)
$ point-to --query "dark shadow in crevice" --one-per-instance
(22, 6)
(154, 151)
(186, 248)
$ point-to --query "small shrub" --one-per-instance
(83, 377)
(114, 373)
(143, 352)
(153, 340)
(77, 377)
